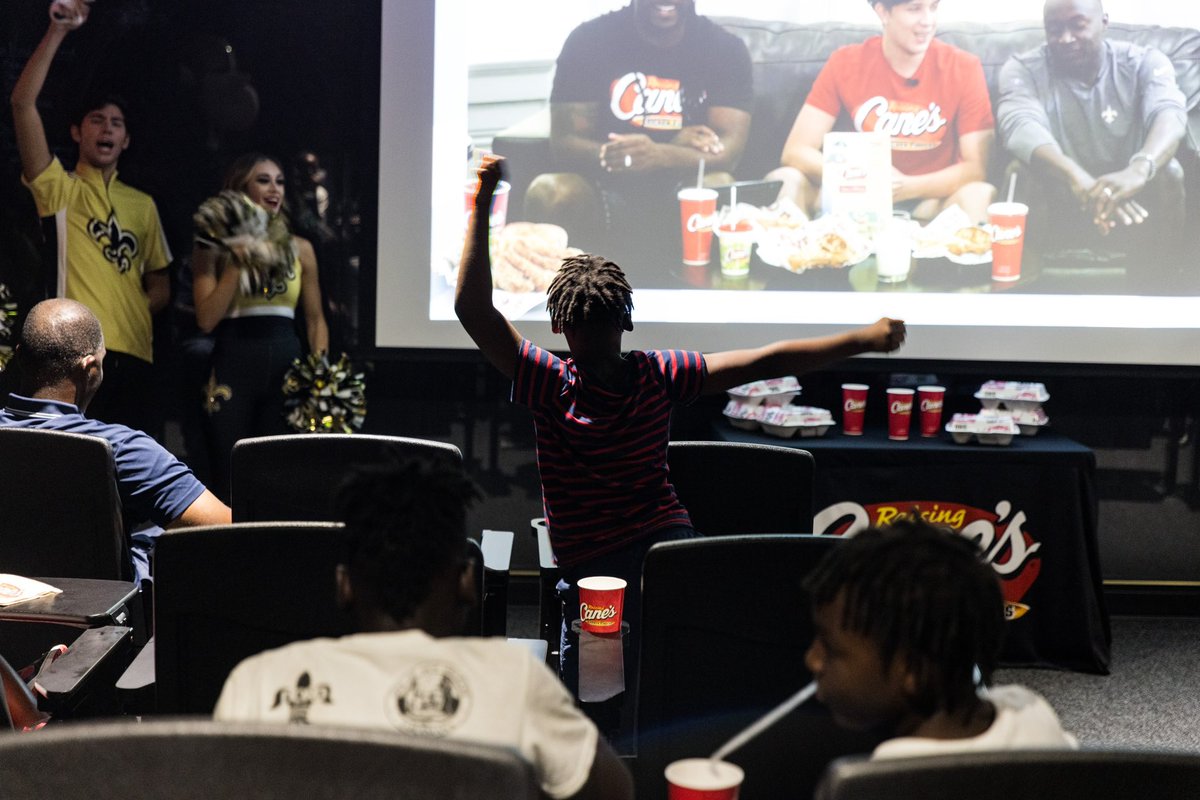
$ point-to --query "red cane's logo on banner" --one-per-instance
(596, 613)
(1001, 536)
(648, 101)
(911, 126)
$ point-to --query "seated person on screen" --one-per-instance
(1094, 125)
(602, 416)
(60, 361)
(408, 583)
(930, 97)
(640, 96)
(907, 619)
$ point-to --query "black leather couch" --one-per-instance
(788, 56)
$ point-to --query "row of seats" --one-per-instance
(724, 630)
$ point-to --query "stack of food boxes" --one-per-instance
(767, 404)
(1009, 408)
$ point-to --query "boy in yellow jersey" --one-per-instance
(112, 254)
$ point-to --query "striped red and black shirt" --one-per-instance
(603, 455)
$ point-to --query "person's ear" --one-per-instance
(76, 136)
(344, 588)
(89, 364)
(468, 596)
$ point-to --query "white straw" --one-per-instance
(700, 175)
(733, 198)
(1012, 186)
(766, 721)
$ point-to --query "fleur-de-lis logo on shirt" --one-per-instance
(119, 246)
(214, 393)
(301, 698)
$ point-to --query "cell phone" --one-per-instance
(756, 193)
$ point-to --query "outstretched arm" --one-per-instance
(27, 123)
(797, 356)
(497, 339)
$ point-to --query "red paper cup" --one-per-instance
(854, 408)
(697, 209)
(703, 779)
(601, 600)
(930, 400)
(1008, 239)
(900, 403)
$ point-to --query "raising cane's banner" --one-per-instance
(1001, 534)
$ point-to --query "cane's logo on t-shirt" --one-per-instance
(648, 101)
(120, 247)
(911, 126)
(433, 698)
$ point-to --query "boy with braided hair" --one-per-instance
(602, 416)
(909, 622)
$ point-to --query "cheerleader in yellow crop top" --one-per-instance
(252, 308)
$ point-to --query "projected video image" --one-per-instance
(957, 165)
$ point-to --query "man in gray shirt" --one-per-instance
(1095, 125)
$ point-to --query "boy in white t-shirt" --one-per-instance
(408, 584)
(909, 623)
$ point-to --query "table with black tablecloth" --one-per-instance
(1031, 505)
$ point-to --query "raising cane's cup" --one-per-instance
(601, 600)
(854, 408)
(499, 210)
(735, 239)
(697, 208)
(703, 779)
(900, 403)
(1008, 239)
(930, 400)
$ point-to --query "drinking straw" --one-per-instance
(700, 174)
(733, 200)
(766, 721)
(1012, 186)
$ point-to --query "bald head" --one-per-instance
(1075, 36)
(58, 334)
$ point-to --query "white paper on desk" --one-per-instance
(16, 589)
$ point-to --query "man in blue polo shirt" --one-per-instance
(60, 362)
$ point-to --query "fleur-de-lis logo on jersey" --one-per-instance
(120, 247)
(302, 698)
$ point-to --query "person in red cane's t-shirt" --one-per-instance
(930, 97)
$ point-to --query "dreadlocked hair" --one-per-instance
(922, 593)
(405, 522)
(588, 288)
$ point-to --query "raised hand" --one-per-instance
(884, 336)
(69, 14)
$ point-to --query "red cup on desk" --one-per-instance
(703, 779)
(601, 600)
(930, 400)
(900, 404)
(854, 408)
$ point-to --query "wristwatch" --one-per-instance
(1139, 156)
